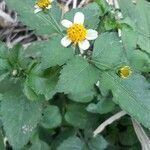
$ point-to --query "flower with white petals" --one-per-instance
(77, 33)
(42, 4)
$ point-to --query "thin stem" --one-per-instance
(67, 5)
(81, 3)
(74, 4)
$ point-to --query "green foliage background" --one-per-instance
(49, 98)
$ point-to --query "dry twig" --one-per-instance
(74, 4)
(143, 138)
(108, 122)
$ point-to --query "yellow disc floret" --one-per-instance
(124, 71)
(43, 3)
(77, 33)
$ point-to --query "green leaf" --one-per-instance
(104, 106)
(63, 135)
(83, 97)
(108, 51)
(4, 64)
(140, 60)
(91, 12)
(129, 38)
(132, 94)
(3, 76)
(128, 137)
(2, 146)
(72, 143)
(139, 14)
(53, 53)
(77, 78)
(39, 145)
(20, 118)
(97, 143)
(42, 21)
(51, 117)
(29, 93)
(43, 84)
(110, 23)
(103, 6)
(3, 50)
(77, 116)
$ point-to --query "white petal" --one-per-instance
(51, 1)
(84, 45)
(65, 41)
(36, 6)
(91, 34)
(37, 10)
(48, 7)
(66, 23)
(79, 18)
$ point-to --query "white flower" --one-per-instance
(42, 4)
(77, 33)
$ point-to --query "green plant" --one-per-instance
(55, 97)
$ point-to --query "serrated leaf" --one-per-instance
(20, 118)
(72, 143)
(41, 84)
(42, 21)
(77, 116)
(139, 14)
(91, 12)
(132, 94)
(108, 51)
(53, 53)
(51, 117)
(77, 77)
(139, 59)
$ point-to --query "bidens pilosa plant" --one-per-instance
(89, 67)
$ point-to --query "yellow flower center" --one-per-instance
(124, 71)
(77, 33)
(43, 3)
